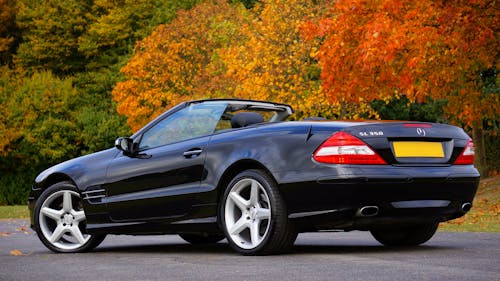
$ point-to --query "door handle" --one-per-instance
(143, 156)
(192, 152)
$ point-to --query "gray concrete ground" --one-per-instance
(315, 256)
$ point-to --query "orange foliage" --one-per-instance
(427, 48)
(180, 62)
(223, 50)
(366, 50)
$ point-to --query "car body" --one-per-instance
(208, 169)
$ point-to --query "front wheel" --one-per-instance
(405, 236)
(254, 216)
(60, 221)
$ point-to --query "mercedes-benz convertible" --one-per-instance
(236, 169)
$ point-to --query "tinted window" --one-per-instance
(196, 120)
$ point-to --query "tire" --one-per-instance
(254, 216)
(406, 236)
(59, 220)
(201, 239)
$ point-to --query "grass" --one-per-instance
(484, 216)
(14, 212)
(485, 213)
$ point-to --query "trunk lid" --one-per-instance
(412, 143)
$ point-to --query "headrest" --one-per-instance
(243, 119)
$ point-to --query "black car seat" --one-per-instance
(243, 119)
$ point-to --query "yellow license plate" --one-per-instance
(418, 149)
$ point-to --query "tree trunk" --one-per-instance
(480, 151)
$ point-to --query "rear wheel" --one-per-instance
(201, 239)
(254, 216)
(60, 221)
(405, 236)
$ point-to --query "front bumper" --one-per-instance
(34, 194)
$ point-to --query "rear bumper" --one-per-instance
(402, 195)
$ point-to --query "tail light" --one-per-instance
(467, 155)
(417, 125)
(343, 148)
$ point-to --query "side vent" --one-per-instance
(94, 194)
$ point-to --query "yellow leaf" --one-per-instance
(22, 229)
(16, 252)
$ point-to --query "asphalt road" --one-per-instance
(315, 256)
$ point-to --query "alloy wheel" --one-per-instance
(61, 220)
(247, 213)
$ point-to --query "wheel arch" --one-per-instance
(240, 166)
(53, 179)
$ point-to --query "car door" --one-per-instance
(161, 180)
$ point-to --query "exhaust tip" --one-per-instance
(367, 211)
(466, 207)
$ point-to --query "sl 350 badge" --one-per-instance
(371, 133)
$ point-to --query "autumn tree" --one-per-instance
(50, 31)
(277, 64)
(180, 61)
(222, 50)
(71, 51)
(438, 49)
(38, 126)
(69, 36)
(8, 134)
(116, 25)
(7, 30)
(107, 44)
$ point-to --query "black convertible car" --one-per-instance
(214, 169)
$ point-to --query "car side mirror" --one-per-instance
(126, 145)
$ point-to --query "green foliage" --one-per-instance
(15, 186)
(50, 32)
(117, 25)
(46, 121)
(39, 129)
(401, 108)
(39, 116)
(247, 3)
(57, 103)
(97, 121)
(70, 36)
(46, 105)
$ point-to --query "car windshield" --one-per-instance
(205, 118)
(193, 121)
